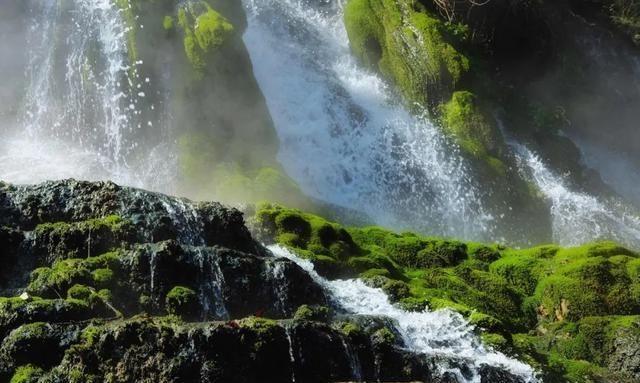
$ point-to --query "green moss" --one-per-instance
(259, 325)
(54, 281)
(408, 45)
(102, 277)
(205, 30)
(495, 341)
(521, 271)
(182, 301)
(350, 329)
(27, 374)
(128, 12)
(79, 292)
(463, 120)
(58, 279)
(312, 313)
(168, 23)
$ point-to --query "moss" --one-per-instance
(58, 279)
(407, 44)
(464, 121)
(384, 336)
(168, 23)
(229, 181)
(27, 374)
(182, 301)
(495, 341)
(53, 281)
(350, 329)
(307, 232)
(259, 325)
(82, 239)
(128, 12)
(91, 334)
(205, 30)
(312, 313)
(79, 292)
(102, 277)
(521, 271)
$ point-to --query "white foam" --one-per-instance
(435, 333)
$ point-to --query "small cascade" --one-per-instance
(152, 272)
(186, 217)
(442, 334)
(211, 285)
(578, 217)
(292, 356)
(354, 361)
(275, 274)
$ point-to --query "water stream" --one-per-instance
(344, 137)
(442, 333)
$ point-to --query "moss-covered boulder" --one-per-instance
(182, 301)
(409, 45)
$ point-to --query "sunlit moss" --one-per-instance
(408, 45)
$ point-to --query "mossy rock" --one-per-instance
(27, 374)
(312, 313)
(409, 45)
(205, 30)
(183, 302)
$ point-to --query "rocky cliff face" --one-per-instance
(105, 283)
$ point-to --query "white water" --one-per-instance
(435, 333)
(617, 169)
(82, 112)
(343, 137)
(578, 217)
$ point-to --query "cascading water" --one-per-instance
(442, 333)
(343, 137)
(577, 217)
(82, 110)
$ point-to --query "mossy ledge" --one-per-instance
(572, 312)
(173, 291)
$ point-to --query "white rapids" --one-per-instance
(435, 333)
(578, 217)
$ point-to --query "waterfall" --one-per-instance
(578, 217)
(84, 101)
(442, 333)
(344, 137)
(212, 284)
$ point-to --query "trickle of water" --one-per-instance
(275, 272)
(212, 284)
(577, 217)
(343, 136)
(443, 333)
(292, 357)
(152, 271)
(354, 361)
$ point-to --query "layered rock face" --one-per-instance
(105, 283)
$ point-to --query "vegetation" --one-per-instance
(204, 30)
(411, 47)
(182, 301)
(576, 301)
